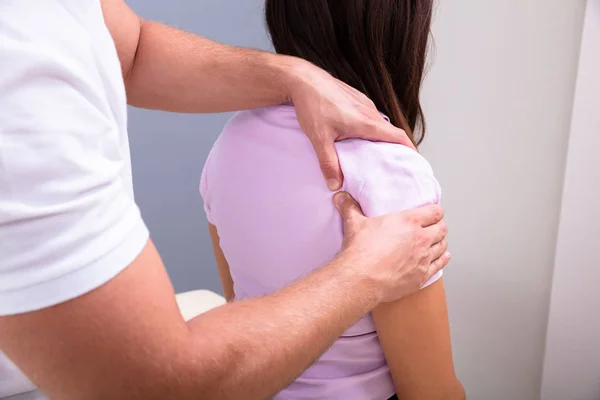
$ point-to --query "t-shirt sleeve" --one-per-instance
(68, 221)
(204, 190)
(392, 178)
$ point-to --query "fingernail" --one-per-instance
(333, 184)
(339, 198)
(448, 255)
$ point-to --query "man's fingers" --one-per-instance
(439, 249)
(429, 215)
(436, 233)
(329, 163)
(383, 131)
(348, 207)
(437, 265)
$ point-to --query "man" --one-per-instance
(87, 310)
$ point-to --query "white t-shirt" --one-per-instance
(68, 221)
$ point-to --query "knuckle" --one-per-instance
(426, 256)
(347, 207)
(442, 263)
(341, 202)
(439, 213)
(353, 220)
(369, 125)
(328, 165)
(412, 219)
(422, 242)
(412, 259)
(351, 224)
(421, 255)
(318, 136)
(436, 267)
(444, 245)
(368, 102)
(443, 228)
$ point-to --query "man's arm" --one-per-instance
(168, 69)
(127, 339)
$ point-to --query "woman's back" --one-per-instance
(276, 221)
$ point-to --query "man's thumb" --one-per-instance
(347, 206)
(329, 163)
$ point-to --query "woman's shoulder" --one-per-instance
(387, 177)
(372, 159)
(275, 117)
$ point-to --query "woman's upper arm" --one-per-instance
(414, 332)
(222, 265)
(415, 336)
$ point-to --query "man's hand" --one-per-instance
(171, 70)
(401, 251)
(329, 110)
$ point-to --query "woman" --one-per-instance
(262, 167)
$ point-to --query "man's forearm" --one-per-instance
(126, 339)
(271, 340)
(177, 71)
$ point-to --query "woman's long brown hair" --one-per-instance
(376, 46)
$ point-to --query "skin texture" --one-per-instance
(414, 333)
(127, 339)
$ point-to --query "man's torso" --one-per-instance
(95, 65)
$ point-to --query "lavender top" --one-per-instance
(264, 191)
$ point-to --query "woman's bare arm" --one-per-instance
(415, 336)
(222, 264)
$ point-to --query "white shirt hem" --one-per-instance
(77, 282)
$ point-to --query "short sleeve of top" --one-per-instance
(204, 190)
(68, 221)
(386, 178)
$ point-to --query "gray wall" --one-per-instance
(572, 359)
(498, 101)
(169, 150)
